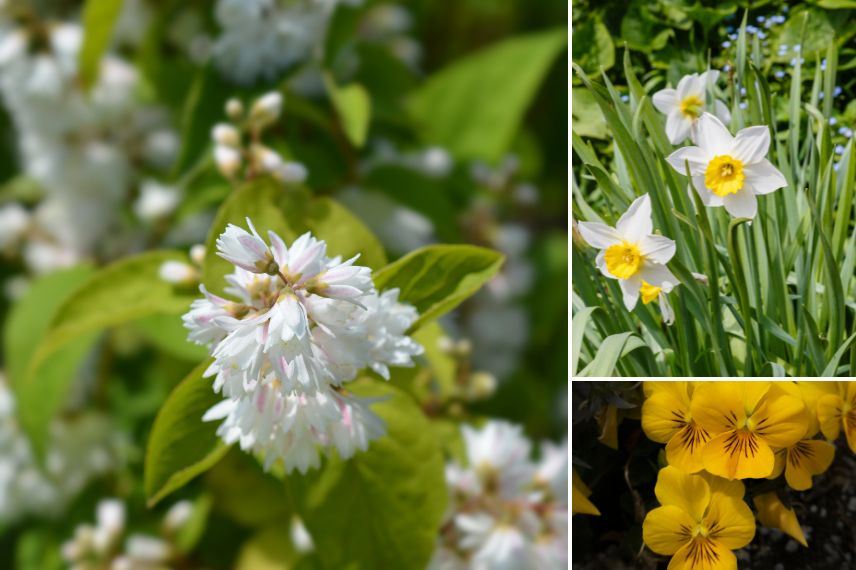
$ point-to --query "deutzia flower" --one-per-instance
(297, 325)
(729, 171)
(630, 252)
(506, 512)
(684, 106)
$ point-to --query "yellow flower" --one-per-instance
(774, 514)
(746, 420)
(803, 460)
(579, 497)
(666, 418)
(724, 175)
(835, 411)
(649, 292)
(607, 421)
(697, 524)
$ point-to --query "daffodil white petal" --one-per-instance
(709, 77)
(599, 235)
(666, 308)
(763, 177)
(713, 137)
(696, 157)
(659, 276)
(690, 85)
(720, 109)
(743, 204)
(630, 290)
(600, 261)
(708, 198)
(657, 249)
(678, 126)
(636, 222)
(665, 100)
(751, 144)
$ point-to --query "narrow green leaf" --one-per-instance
(354, 107)
(99, 17)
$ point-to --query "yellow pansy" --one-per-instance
(746, 420)
(835, 411)
(699, 526)
(579, 497)
(803, 460)
(773, 513)
(666, 418)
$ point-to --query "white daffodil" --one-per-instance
(630, 252)
(729, 171)
(660, 292)
(685, 105)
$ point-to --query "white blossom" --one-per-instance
(156, 201)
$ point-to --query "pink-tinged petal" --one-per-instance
(598, 235)
(657, 249)
(743, 204)
(665, 100)
(678, 126)
(693, 155)
(279, 249)
(713, 136)
(630, 291)
(751, 144)
(636, 222)
(708, 198)
(763, 177)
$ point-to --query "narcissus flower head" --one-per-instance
(746, 420)
(729, 171)
(684, 105)
(699, 522)
(630, 252)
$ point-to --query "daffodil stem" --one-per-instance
(751, 363)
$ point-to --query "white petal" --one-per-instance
(659, 276)
(708, 198)
(763, 177)
(721, 111)
(658, 249)
(751, 144)
(743, 204)
(601, 264)
(709, 77)
(677, 126)
(666, 309)
(630, 290)
(219, 411)
(690, 85)
(598, 235)
(713, 137)
(665, 100)
(636, 222)
(694, 155)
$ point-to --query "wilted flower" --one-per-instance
(729, 171)
(772, 513)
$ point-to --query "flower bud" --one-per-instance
(197, 254)
(266, 109)
(291, 172)
(226, 134)
(234, 109)
(482, 385)
(178, 273)
(228, 160)
(177, 516)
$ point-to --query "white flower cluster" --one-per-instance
(78, 147)
(507, 512)
(231, 153)
(262, 38)
(78, 452)
(100, 546)
(301, 325)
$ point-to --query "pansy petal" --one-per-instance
(663, 415)
(713, 136)
(732, 520)
(829, 414)
(781, 421)
(763, 177)
(743, 204)
(693, 155)
(665, 100)
(773, 514)
(703, 554)
(806, 459)
(677, 126)
(738, 455)
(731, 487)
(666, 529)
(718, 406)
(636, 222)
(598, 235)
(688, 492)
(684, 450)
(751, 144)
(657, 249)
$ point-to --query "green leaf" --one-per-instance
(383, 507)
(588, 121)
(121, 292)
(474, 106)
(167, 333)
(344, 233)
(437, 278)
(613, 348)
(593, 49)
(30, 316)
(354, 106)
(182, 446)
(99, 17)
(269, 549)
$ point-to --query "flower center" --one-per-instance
(692, 106)
(623, 260)
(724, 175)
(649, 292)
